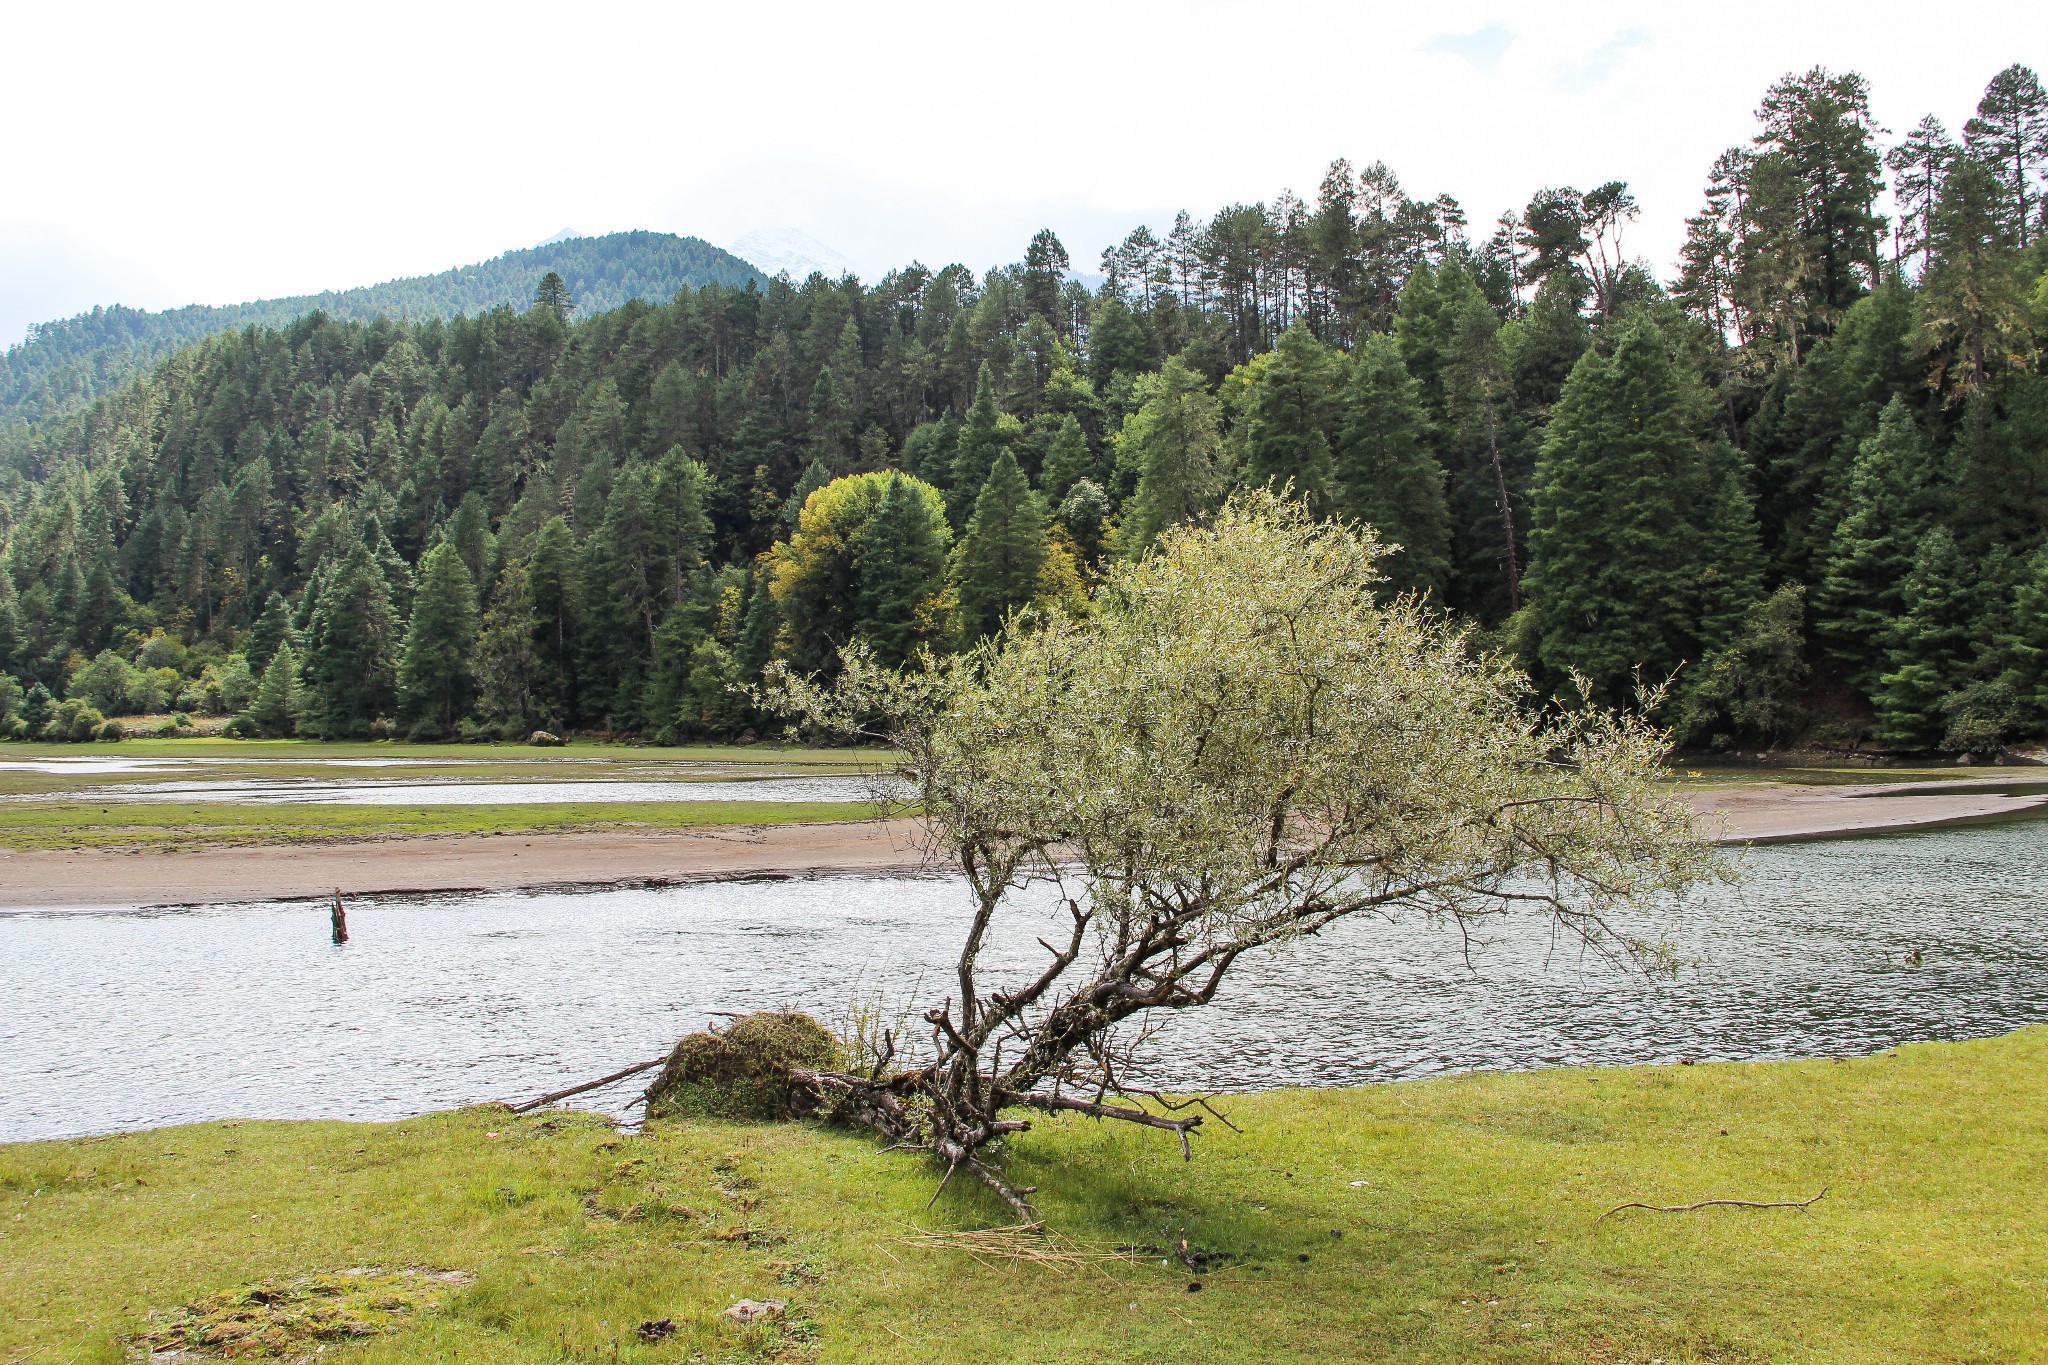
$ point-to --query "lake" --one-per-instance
(128, 1019)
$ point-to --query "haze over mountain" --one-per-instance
(794, 252)
(75, 359)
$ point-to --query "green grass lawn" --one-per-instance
(1472, 1238)
(29, 826)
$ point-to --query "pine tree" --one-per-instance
(469, 530)
(551, 602)
(434, 678)
(553, 295)
(272, 630)
(995, 569)
(2010, 135)
(2027, 642)
(1173, 447)
(987, 432)
(1727, 549)
(1486, 483)
(1067, 459)
(1291, 410)
(508, 665)
(1385, 474)
(900, 556)
(1890, 507)
(1927, 649)
(351, 646)
(1608, 588)
(275, 709)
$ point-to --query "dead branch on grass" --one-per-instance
(1716, 1203)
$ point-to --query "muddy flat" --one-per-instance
(1734, 814)
(1769, 814)
(454, 863)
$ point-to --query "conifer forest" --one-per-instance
(1801, 473)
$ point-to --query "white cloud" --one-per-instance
(1602, 61)
(1482, 47)
(173, 154)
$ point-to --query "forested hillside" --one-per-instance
(1807, 474)
(64, 363)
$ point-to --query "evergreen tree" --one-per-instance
(1727, 549)
(1385, 474)
(274, 711)
(2010, 135)
(36, 706)
(1067, 459)
(1890, 508)
(1173, 447)
(987, 432)
(1927, 649)
(553, 296)
(434, 678)
(1608, 586)
(1291, 409)
(272, 630)
(551, 602)
(508, 664)
(1084, 516)
(1487, 480)
(351, 649)
(469, 530)
(2026, 644)
(995, 569)
(900, 556)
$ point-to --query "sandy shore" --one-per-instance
(454, 863)
(1773, 814)
(1736, 814)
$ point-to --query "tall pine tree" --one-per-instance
(435, 683)
(995, 567)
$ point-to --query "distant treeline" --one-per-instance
(1807, 477)
(63, 364)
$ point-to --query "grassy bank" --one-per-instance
(31, 826)
(1473, 1238)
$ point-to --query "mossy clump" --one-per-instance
(743, 1072)
(295, 1319)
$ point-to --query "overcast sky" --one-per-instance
(210, 153)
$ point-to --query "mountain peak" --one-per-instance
(794, 252)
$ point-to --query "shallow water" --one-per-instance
(126, 1019)
(513, 792)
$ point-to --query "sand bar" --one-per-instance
(1736, 814)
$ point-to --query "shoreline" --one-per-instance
(480, 863)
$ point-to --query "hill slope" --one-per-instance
(63, 364)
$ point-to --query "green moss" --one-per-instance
(742, 1072)
(293, 1319)
(1444, 1221)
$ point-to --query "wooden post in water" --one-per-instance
(338, 918)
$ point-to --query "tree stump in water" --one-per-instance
(337, 919)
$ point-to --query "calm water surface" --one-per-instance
(126, 1019)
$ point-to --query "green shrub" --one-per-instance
(112, 731)
(74, 720)
(743, 1072)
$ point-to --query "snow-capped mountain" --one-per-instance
(777, 251)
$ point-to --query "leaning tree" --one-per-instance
(1238, 743)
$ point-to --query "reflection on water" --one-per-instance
(132, 1019)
